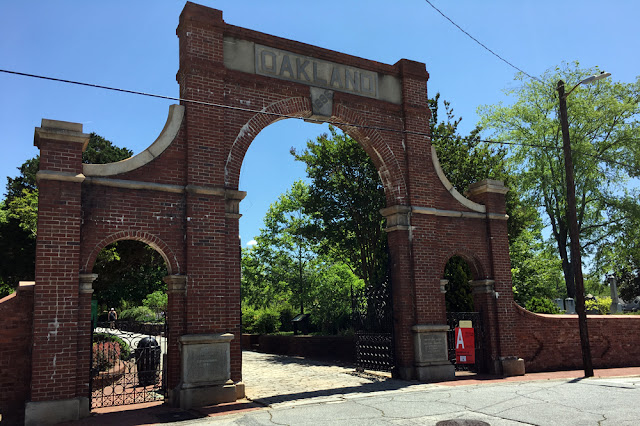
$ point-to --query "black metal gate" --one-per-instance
(453, 320)
(127, 362)
(373, 323)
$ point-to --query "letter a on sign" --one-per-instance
(465, 346)
(459, 339)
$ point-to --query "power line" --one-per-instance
(275, 114)
(235, 108)
(481, 44)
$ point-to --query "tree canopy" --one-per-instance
(603, 120)
(344, 202)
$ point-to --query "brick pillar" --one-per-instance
(402, 287)
(84, 333)
(57, 297)
(176, 326)
(498, 302)
(233, 261)
(212, 298)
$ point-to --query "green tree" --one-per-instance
(19, 212)
(458, 297)
(156, 301)
(467, 159)
(283, 247)
(128, 271)
(603, 121)
(345, 198)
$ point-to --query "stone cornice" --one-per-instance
(62, 131)
(60, 176)
(487, 185)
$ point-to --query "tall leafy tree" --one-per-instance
(284, 252)
(345, 198)
(285, 267)
(603, 120)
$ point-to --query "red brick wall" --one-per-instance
(16, 317)
(552, 342)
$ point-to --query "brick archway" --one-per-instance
(170, 259)
(181, 195)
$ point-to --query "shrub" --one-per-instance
(542, 306)
(156, 301)
(125, 349)
(260, 321)
(600, 306)
(139, 313)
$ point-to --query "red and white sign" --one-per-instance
(465, 346)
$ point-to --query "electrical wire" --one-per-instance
(481, 44)
(253, 111)
(279, 115)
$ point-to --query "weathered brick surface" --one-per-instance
(552, 342)
(16, 312)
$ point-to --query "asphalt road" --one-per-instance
(612, 401)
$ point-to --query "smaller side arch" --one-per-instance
(475, 264)
(170, 259)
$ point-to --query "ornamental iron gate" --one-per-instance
(453, 320)
(127, 363)
(373, 323)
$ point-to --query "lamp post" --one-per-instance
(576, 258)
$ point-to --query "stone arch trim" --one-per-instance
(453, 191)
(475, 264)
(170, 259)
(166, 137)
(292, 107)
(388, 165)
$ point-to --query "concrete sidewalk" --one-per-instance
(300, 391)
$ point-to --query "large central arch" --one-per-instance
(181, 195)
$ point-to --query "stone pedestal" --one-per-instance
(56, 411)
(205, 371)
(432, 359)
(512, 366)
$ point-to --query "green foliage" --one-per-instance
(603, 121)
(156, 301)
(542, 306)
(629, 285)
(345, 198)
(128, 271)
(260, 321)
(466, 160)
(5, 289)
(102, 151)
(536, 270)
(333, 286)
(600, 306)
(138, 314)
(458, 297)
(19, 212)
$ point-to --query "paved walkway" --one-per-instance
(298, 391)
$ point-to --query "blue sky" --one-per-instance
(132, 45)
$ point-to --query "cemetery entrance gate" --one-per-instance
(181, 197)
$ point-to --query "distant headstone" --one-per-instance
(559, 303)
(570, 305)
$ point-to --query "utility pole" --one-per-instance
(576, 258)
